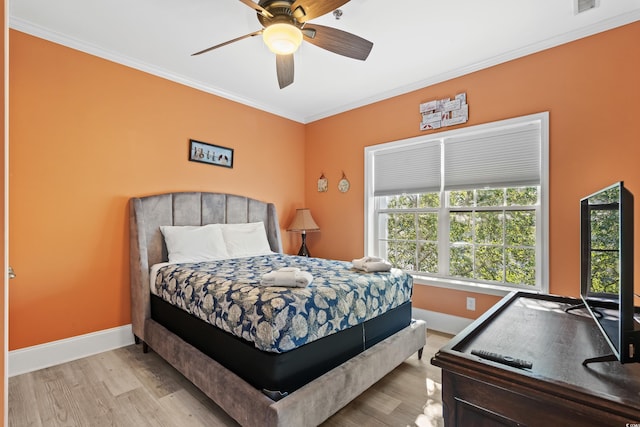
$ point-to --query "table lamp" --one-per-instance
(303, 222)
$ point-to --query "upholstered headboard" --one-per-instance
(147, 214)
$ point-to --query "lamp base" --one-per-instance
(303, 249)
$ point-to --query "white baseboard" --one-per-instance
(441, 322)
(56, 352)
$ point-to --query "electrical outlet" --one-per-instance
(471, 304)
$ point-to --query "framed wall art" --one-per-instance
(322, 184)
(210, 154)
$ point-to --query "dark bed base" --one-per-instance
(278, 374)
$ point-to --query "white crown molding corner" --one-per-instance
(54, 353)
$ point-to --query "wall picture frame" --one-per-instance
(323, 184)
(210, 154)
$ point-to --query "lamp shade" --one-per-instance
(282, 38)
(303, 221)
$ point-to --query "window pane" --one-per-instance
(402, 255)
(429, 200)
(604, 224)
(523, 196)
(461, 198)
(460, 227)
(481, 222)
(461, 260)
(401, 226)
(489, 263)
(521, 266)
(402, 201)
(428, 226)
(605, 256)
(428, 257)
(489, 227)
(490, 197)
(604, 272)
(521, 228)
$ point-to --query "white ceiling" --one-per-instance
(416, 43)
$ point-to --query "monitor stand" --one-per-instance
(582, 305)
(607, 358)
(574, 307)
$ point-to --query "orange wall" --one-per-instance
(86, 135)
(591, 89)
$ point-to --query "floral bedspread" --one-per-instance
(227, 294)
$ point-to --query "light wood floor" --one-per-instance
(126, 387)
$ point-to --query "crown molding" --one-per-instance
(62, 39)
(92, 49)
(568, 37)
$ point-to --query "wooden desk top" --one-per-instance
(537, 329)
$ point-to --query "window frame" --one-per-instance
(371, 226)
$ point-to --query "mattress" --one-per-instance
(226, 294)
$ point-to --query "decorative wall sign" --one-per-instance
(210, 154)
(444, 112)
(343, 184)
(323, 184)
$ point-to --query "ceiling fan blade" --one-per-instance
(304, 10)
(261, 10)
(255, 33)
(338, 41)
(284, 68)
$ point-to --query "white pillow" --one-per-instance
(248, 239)
(187, 243)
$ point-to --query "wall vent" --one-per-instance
(584, 5)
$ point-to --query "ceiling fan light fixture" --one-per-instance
(282, 38)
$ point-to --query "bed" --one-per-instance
(291, 383)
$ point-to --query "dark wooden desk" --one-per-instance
(557, 391)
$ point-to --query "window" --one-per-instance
(465, 207)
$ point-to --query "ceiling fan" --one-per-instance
(285, 25)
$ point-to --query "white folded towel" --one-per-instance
(371, 264)
(371, 267)
(359, 263)
(287, 277)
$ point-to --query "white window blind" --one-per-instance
(507, 157)
(505, 154)
(409, 169)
